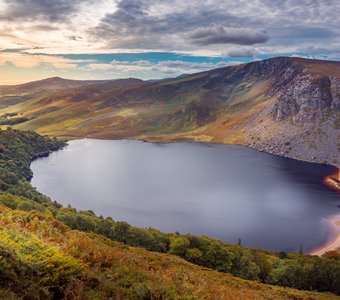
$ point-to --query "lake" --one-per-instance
(222, 191)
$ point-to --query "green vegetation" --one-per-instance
(12, 121)
(41, 257)
(17, 150)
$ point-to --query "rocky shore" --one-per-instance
(333, 181)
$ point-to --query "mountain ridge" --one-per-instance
(286, 106)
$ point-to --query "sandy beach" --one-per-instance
(333, 182)
(334, 243)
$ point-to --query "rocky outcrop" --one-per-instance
(333, 181)
(269, 68)
(335, 91)
(306, 98)
(303, 120)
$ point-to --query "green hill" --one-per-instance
(40, 258)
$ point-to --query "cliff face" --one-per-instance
(285, 106)
(303, 120)
(305, 97)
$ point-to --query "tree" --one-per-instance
(121, 231)
(194, 255)
(179, 245)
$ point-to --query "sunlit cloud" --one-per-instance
(30, 61)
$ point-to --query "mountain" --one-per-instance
(283, 105)
(13, 94)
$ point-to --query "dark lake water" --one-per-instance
(222, 191)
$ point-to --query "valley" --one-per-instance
(283, 106)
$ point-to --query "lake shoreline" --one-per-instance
(333, 181)
(208, 143)
(333, 244)
(153, 140)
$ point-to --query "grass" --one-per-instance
(87, 266)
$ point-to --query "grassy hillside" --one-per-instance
(43, 259)
(49, 251)
(13, 94)
(286, 106)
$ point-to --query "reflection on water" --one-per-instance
(222, 191)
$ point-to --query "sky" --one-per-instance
(151, 39)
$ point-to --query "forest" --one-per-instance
(34, 228)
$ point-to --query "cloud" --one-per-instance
(43, 27)
(166, 67)
(227, 29)
(283, 25)
(240, 52)
(30, 10)
(75, 38)
(13, 50)
(209, 26)
(24, 60)
(98, 66)
(151, 24)
(226, 35)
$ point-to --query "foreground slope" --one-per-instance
(285, 106)
(41, 258)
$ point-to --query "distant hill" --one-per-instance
(13, 94)
(286, 106)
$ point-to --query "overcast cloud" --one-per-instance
(173, 25)
(31, 10)
(227, 28)
(224, 35)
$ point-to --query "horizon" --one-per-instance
(96, 40)
(156, 79)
